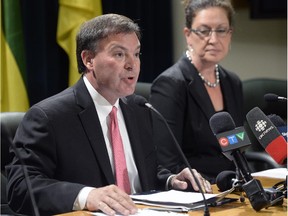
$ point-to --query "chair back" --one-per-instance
(253, 93)
(9, 124)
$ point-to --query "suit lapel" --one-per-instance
(227, 91)
(91, 124)
(196, 89)
(88, 116)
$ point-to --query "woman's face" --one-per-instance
(209, 46)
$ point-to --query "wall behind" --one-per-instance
(258, 49)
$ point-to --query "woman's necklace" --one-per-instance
(209, 84)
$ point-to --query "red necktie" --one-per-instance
(121, 173)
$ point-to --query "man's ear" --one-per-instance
(87, 58)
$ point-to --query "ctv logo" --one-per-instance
(231, 139)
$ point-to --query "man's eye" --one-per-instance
(138, 55)
(119, 54)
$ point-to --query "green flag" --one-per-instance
(13, 75)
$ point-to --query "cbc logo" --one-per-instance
(260, 125)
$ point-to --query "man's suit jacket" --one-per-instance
(179, 94)
(61, 142)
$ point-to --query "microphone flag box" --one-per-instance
(233, 139)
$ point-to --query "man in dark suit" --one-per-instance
(64, 140)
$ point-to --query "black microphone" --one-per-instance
(233, 141)
(270, 97)
(267, 135)
(279, 124)
(228, 179)
(143, 102)
(225, 180)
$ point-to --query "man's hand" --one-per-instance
(180, 181)
(110, 200)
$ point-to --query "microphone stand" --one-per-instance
(252, 187)
(206, 209)
(27, 180)
(237, 185)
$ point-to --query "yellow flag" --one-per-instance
(72, 13)
(13, 90)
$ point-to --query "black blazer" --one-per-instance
(180, 95)
(61, 142)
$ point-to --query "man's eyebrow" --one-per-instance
(116, 46)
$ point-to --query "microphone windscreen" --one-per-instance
(224, 180)
(271, 97)
(276, 120)
(221, 122)
(260, 123)
(140, 100)
(267, 135)
(280, 124)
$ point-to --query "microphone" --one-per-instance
(233, 141)
(228, 179)
(225, 180)
(280, 124)
(270, 97)
(267, 135)
(141, 101)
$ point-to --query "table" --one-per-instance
(235, 208)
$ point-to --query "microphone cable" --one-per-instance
(27, 180)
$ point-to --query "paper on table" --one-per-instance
(176, 199)
(278, 173)
(146, 212)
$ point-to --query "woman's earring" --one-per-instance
(190, 49)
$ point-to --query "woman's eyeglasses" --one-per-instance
(208, 32)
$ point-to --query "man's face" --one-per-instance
(116, 66)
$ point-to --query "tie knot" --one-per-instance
(113, 112)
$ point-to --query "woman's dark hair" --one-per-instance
(99, 28)
(193, 6)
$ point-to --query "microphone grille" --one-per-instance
(140, 100)
(221, 122)
(276, 120)
(224, 180)
(261, 126)
(271, 97)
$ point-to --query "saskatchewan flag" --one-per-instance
(13, 75)
(72, 13)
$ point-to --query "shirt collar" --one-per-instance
(98, 98)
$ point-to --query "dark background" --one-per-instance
(47, 63)
(267, 9)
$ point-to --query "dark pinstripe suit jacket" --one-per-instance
(61, 142)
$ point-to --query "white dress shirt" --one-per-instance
(103, 108)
